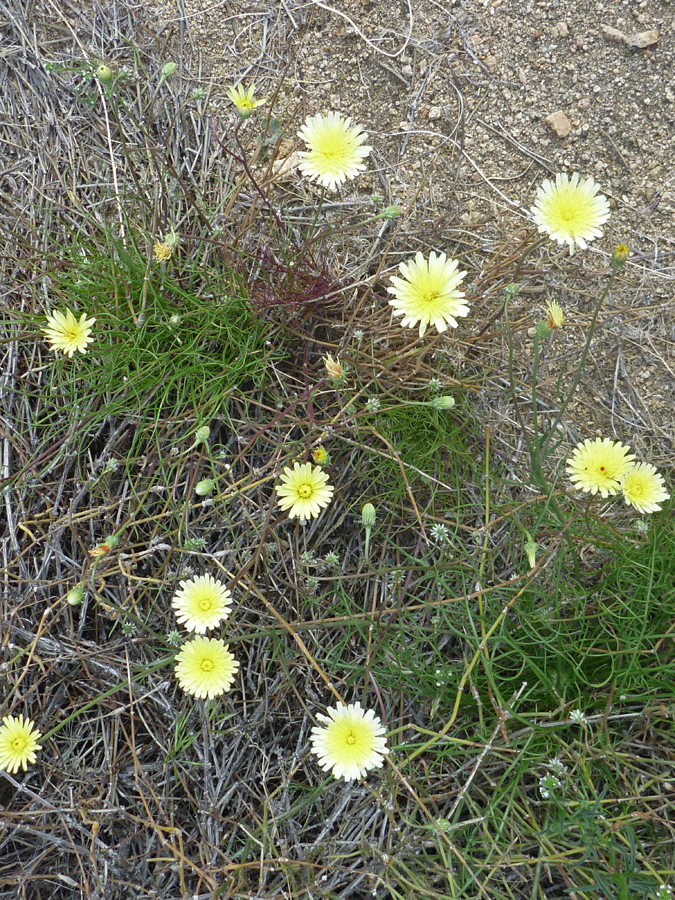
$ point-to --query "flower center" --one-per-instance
(429, 297)
(205, 604)
(206, 665)
(19, 743)
(351, 738)
(305, 491)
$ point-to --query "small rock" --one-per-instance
(613, 34)
(435, 112)
(559, 122)
(407, 70)
(643, 39)
(560, 30)
(584, 103)
(491, 62)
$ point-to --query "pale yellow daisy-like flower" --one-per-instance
(18, 743)
(570, 211)
(243, 100)
(64, 332)
(201, 603)
(335, 152)
(643, 488)
(428, 293)
(205, 667)
(350, 743)
(599, 465)
(304, 491)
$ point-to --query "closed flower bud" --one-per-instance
(75, 595)
(619, 256)
(104, 74)
(205, 487)
(202, 434)
(445, 402)
(168, 70)
(390, 212)
(368, 515)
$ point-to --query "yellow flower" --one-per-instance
(570, 212)
(555, 315)
(333, 367)
(162, 251)
(304, 491)
(599, 465)
(351, 743)
(18, 743)
(643, 488)
(64, 332)
(243, 100)
(320, 456)
(205, 667)
(428, 294)
(201, 603)
(335, 150)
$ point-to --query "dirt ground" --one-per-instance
(457, 98)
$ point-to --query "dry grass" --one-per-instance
(140, 790)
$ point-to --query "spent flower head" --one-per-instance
(570, 211)
(201, 603)
(205, 667)
(66, 333)
(599, 465)
(643, 488)
(336, 150)
(334, 368)
(350, 742)
(304, 491)
(428, 293)
(18, 743)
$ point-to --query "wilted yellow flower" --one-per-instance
(555, 315)
(333, 367)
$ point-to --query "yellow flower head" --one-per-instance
(599, 465)
(243, 100)
(162, 251)
(334, 368)
(304, 491)
(643, 488)
(335, 150)
(64, 332)
(569, 211)
(18, 743)
(555, 315)
(428, 294)
(351, 743)
(201, 603)
(205, 667)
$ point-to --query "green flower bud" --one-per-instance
(202, 435)
(443, 402)
(368, 515)
(390, 212)
(168, 70)
(104, 74)
(75, 595)
(205, 487)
